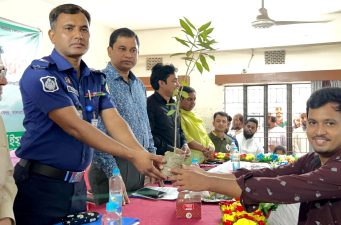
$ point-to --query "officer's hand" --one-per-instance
(151, 180)
(149, 164)
(5, 221)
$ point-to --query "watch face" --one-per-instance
(80, 113)
(94, 122)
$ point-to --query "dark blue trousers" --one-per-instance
(43, 201)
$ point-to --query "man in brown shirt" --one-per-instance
(8, 189)
(313, 180)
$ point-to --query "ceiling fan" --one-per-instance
(264, 21)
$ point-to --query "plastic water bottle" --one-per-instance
(112, 217)
(195, 162)
(235, 157)
(195, 194)
(115, 189)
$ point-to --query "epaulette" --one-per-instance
(41, 64)
(99, 73)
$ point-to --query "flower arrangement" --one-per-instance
(234, 213)
(267, 157)
(281, 159)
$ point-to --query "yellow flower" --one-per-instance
(228, 217)
(244, 221)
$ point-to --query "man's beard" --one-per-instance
(247, 135)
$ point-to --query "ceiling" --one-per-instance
(156, 14)
(230, 18)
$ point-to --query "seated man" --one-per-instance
(8, 189)
(299, 136)
(277, 135)
(246, 140)
(220, 140)
(313, 180)
(194, 128)
(237, 125)
(279, 150)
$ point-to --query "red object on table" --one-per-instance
(188, 205)
(161, 212)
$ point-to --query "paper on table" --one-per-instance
(227, 167)
(171, 193)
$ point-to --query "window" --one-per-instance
(283, 101)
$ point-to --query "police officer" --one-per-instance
(63, 100)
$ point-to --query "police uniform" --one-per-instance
(49, 175)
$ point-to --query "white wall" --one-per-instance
(210, 97)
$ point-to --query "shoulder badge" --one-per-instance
(41, 64)
(100, 73)
(97, 72)
(49, 84)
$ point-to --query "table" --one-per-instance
(153, 212)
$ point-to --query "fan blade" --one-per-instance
(335, 12)
(298, 22)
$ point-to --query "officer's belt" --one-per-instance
(52, 172)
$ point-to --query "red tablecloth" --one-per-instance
(152, 212)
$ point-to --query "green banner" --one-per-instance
(14, 139)
(19, 44)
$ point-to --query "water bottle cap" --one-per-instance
(195, 161)
(111, 206)
(116, 171)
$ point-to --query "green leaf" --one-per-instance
(182, 41)
(184, 94)
(206, 46)
(199, 67)
(176, 54)
(171, 112)
(183, 83)
(205, 26)
(187, 29)
(187, 58)
(207, 32)
(200, 39)
(189, 53)
(189, 23)
(204, 63)
(212, 57)
(211, 42)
